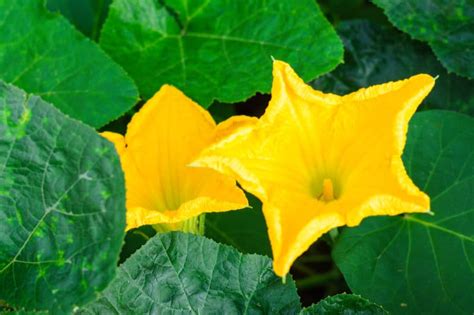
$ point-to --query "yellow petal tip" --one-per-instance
(424, 80)
(279, 63)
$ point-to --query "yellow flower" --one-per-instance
(318, 161)
(162, 138)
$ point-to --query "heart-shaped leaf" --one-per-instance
(218, 49)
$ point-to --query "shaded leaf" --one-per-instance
(23, 312)
(243, 229)
(337, 10)
(134, 239)
(218, 49)
(221, 112)
(87, 15)
(447, 25)
(416, 264)
(376, 54)
(43, 54)
(179, 273)
(347, 304)
(62, 216)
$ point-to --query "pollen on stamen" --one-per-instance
(328, 190)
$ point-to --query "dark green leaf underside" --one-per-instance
(416, 264)
(218, 49)
(376, 54)
(62, 204)
(347, 304)
(179, 273)
(43, 54)
(447, 25)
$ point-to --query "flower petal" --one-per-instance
(161, 140)
(257, 157)
(117, 139)
(295, 221)
(319, 161)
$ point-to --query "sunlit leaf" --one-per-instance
(43, 54)
(218, 49)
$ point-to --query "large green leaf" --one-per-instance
(347, 304)
(218, 49)
(23, 312)
(62, 207)
(244, 229)
(177, 273)
(87, 15)
(447, 25)
(42, 53)
(376, 54)
(422, 264)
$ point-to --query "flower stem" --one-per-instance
(194, 225)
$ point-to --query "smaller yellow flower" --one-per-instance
(318, 161)
(162, 138)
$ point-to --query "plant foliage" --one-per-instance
(70, 70)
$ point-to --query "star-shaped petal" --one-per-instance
(161, 140)
(318, 161)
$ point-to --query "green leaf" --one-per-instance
(62, 207)
(222, 111)
(340, 10)
(447, 25)
(418, 263)
(23, 312)
(376, 54)
(218, 49)
(187, 274)
(347, 304)
(87, 15)
(243, 229)
(42, 53)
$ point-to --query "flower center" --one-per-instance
(328, 190)
(325, 189)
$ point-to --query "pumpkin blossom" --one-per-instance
(161, 140)
(318, 161)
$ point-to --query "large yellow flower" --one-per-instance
(162, 138)
(319, 161)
